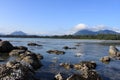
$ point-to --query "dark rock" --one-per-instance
(0, 39)
(6, 46)
(33, 44)
(55, 52)
(20, 47)
(66, 47)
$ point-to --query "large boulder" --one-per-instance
(32, 59)
(5, 46)
(113, 51)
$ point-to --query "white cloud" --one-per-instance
(99, 27)
(77, 28)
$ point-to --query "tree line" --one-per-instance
(99, 36)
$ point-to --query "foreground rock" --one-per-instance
(88, 75)
(33, 44)
(28, 57)
(14, 70)
(55, 52)
(5, 46)
(86, 69)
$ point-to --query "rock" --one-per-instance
(16, 71)
(32, 59)
(0, 39)
(39, 56)
(16, 52)
(105, 59)
(55, 52)
(91, 75)
(66, 47)
(78, 54)
(85, 65)
(33, 44)
(21, 47)
(58, 76)
(75, 77)
(113, 51)
(6, 46)
(66, 65)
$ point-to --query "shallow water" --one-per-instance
(90, 50)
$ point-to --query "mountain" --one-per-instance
(106, 32)
(90, 32)
(85, 32)
(18, 33)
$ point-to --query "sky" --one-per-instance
(58, 17)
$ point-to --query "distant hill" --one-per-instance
(18, 33)
(85, 32)
(89, 32)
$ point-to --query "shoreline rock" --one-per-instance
(55, 52)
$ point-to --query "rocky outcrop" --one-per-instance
(55, 52)
(88, 75)
(88, 65)
(113, 51)
(5, 46)
(14, 70)
(33, 44)
(86, 68)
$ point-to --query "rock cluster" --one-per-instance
(23, 67)
(86, 68)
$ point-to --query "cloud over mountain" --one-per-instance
(82, 26)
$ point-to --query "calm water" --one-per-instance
(90, 50)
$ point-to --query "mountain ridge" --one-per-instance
(90, 32)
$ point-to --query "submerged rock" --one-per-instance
(105, 59)
(33, 44)
(66, 65)
(55, 52)
(66, 47)
(21, 47)
(6, 46)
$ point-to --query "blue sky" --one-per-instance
(58, 16)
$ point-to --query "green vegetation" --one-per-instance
(99, 36)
